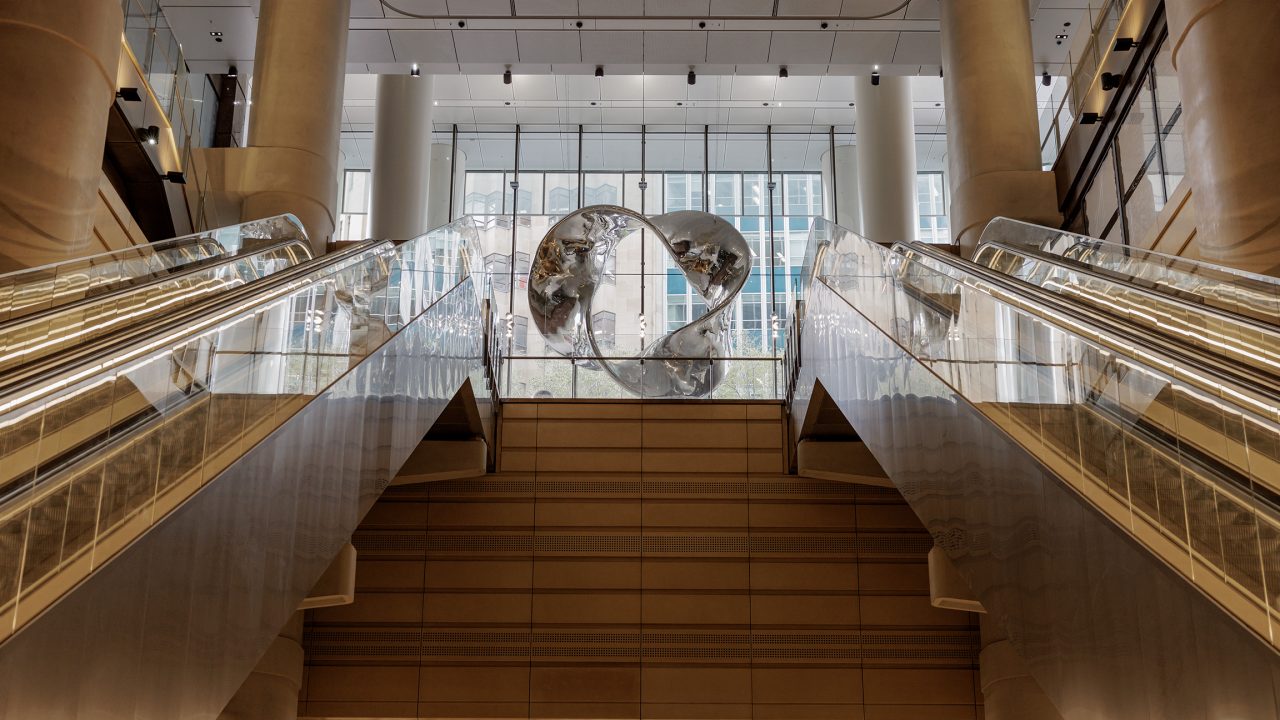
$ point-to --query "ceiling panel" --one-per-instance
(472, 8)
(418, 7)
(369, 46)
(801, 47)
(489, 87)
(423, 46)
(918, 48)
(753, 88)
(819, 8)
(675, 47)
(738, 48)
(451, 87)
(562, 8)
(877, 8)
(593, 8)
(798, 89)
(665, 87)
(679, 8)
(366, 9)
(607, 46)
(864, 48)
(192, 25)
(553, 46)
(741, 7)
(359, 88)
(534, 87)
(486, 46)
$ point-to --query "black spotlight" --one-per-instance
(506, 77)
(129, 94)
(693, 78)
(1045, 79)
(1125, 44)
(1090, 118)
(1111, 81)
(231, 71)
(149, 134)
(875, 78)
(415, 71)
(599, 71)
(782, 72)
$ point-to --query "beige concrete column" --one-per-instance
(1008, 690)
(845, 187)
(886, 158)
(401, 157)
(298, 72)
(271, 690)
(443, 159)
(993, 138)
(58, 77)
(1227, 62)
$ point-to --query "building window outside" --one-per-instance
(931, 206)
(605, 326)
(353, 221)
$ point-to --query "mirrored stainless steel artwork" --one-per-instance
(569, 266)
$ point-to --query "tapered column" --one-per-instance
(401, 157)
(448, 175)
(271, 690)
(886, 158)
(1227, 62)
(299, 66)
(840, 187)
(58, 65)
(993, 138)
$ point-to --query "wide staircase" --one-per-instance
(641, 559)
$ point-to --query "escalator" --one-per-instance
(1107, 484)
(31, 290)
(172, 491)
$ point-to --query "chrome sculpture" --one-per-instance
(569, 265)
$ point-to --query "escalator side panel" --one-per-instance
(160, 631)
(1107, 631)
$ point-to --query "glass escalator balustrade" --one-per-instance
(1236, 338)
(37, 335)
(93, 456)
(1189, 465)
(1237, 291)
(31, 290)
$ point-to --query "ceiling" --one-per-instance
(626, 37)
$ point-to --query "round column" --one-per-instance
(848, 212)
(271, 690)
(401, 157)
(299, 66)
(59, 62)
(886, 158)
(444, 160)
(1008, 690)
(1227, 62)
(993, 137)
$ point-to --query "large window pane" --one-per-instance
(602, 189)
(562, 193)
(483, 194)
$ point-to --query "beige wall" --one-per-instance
(672, 572)
(113, 225)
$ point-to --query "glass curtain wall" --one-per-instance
(1142, 164)
(645, 295)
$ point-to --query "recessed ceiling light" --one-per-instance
(215, 33)
(1061, 36)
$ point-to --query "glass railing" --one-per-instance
(92, 456)
(1235, 291)
(1238, 340)
(1124, 427)
(32, 290)
(42, 334)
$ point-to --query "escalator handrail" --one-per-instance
(43, 371)
(1180, 298)
(1245, 380)
(186, 270)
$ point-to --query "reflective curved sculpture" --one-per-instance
(569, 265)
